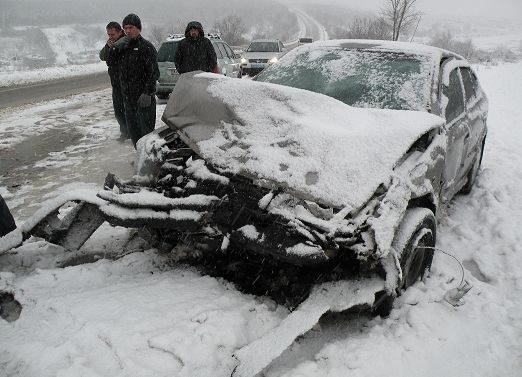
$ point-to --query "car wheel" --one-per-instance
(473, 171)
(239, 74)
(414, 241)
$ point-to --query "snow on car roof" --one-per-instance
(408, 47)
(265, 40)
(308, 143)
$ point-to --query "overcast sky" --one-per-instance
(486, 8)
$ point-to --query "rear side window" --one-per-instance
(218, 51)
(230, 53)
(470, 83)
(167, 51)
(222, 49)
(455, 96)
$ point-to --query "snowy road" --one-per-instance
(138, 317)
(56, 145)
(57, 88)
(312, 28)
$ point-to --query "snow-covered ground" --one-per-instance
(75, 48)
(13, 77)
(138, 317)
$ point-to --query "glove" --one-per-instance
(145, 100)
(121, 44)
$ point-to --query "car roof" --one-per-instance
(265, 40)
(178, 37)
(393, 46)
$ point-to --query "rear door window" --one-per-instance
(470, 83)
(218, 51)
(230, 53)
(167, 51)
(455, 96)
(222, 49)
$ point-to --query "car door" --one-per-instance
(234, 61)
(456, 129)
(220, 58)
(228, 67)
(475, 101)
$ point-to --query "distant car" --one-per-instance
(228, 62)
(304, 40)
(260, 54)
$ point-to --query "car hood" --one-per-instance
(260, 55)
(312, 145)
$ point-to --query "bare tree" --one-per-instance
(157, 35)
(369, 28)
(400, 15)
(446, 41)
(231, 29)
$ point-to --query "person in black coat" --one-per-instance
(112, 58)
(138, 75)
(7, 223)
(195, 52)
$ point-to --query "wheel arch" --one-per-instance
(426, 201)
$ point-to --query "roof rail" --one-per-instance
(175, 36)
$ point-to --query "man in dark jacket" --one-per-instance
(138, 75)
(7, 223)
(195, 51)
(112, 58)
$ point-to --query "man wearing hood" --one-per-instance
(195, 52)
(138, 75)
(112, 58)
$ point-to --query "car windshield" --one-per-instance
(360, 78)
(305, 40)
(263, 47)
(167, 51)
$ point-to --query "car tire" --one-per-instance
(415, 241)
(473, 171)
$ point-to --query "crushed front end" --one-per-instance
(261, 237)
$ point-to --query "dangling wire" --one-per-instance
(452, 256)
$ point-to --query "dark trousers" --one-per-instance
(119, 110)
(140, 120)
(7, 223)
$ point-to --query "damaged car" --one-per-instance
(332, 164)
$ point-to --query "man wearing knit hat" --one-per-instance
(138, 75)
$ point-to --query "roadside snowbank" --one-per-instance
(9, 78)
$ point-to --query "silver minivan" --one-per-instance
(228, 62)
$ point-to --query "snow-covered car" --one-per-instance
(332, 165)
(338, 158)
(228, 62)
(260, 54)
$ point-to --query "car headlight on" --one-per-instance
(243, 61)
(273, 60)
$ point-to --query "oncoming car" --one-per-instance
(228, 62)
(260, 54)
(304, 40)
